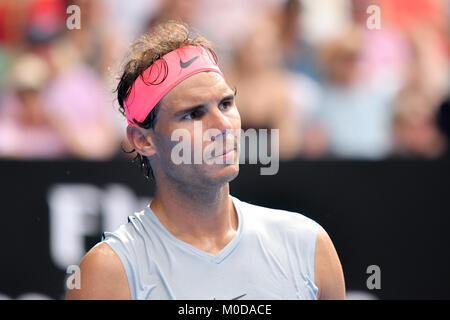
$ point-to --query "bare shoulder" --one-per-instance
(102, 276)
(328, 273)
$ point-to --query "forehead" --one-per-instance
(200, 88)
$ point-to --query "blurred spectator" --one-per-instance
(384, 51)
(25, 130)
(428, 66)
(300, 67)
(355, 109)
(324, 20)
(79, 105)
(45, 20)
(416, 133)
(299, 55)
(426, 81)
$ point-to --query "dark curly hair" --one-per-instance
(160, 40)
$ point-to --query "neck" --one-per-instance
(204, 218)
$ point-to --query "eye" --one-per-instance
(226, 104)
(193, 115)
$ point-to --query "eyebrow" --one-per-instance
(202, 106)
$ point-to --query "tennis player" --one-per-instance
(194, 240)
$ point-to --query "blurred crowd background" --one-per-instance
(314, 69)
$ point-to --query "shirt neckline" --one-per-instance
(217, 258)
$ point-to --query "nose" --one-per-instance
(216, 119)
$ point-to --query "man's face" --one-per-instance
(203, 107)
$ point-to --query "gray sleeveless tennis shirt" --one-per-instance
(270, 257)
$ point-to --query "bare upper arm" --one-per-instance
(328, 273)
(102, 276)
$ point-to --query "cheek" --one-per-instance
(235, 119)
(164, 146)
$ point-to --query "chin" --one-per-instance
(224, 174)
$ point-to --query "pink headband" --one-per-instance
(163, 75)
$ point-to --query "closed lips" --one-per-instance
(226, 151)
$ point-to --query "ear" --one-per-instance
(141, 140)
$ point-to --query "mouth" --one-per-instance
(225, 154)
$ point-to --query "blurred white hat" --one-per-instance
(29, 72)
